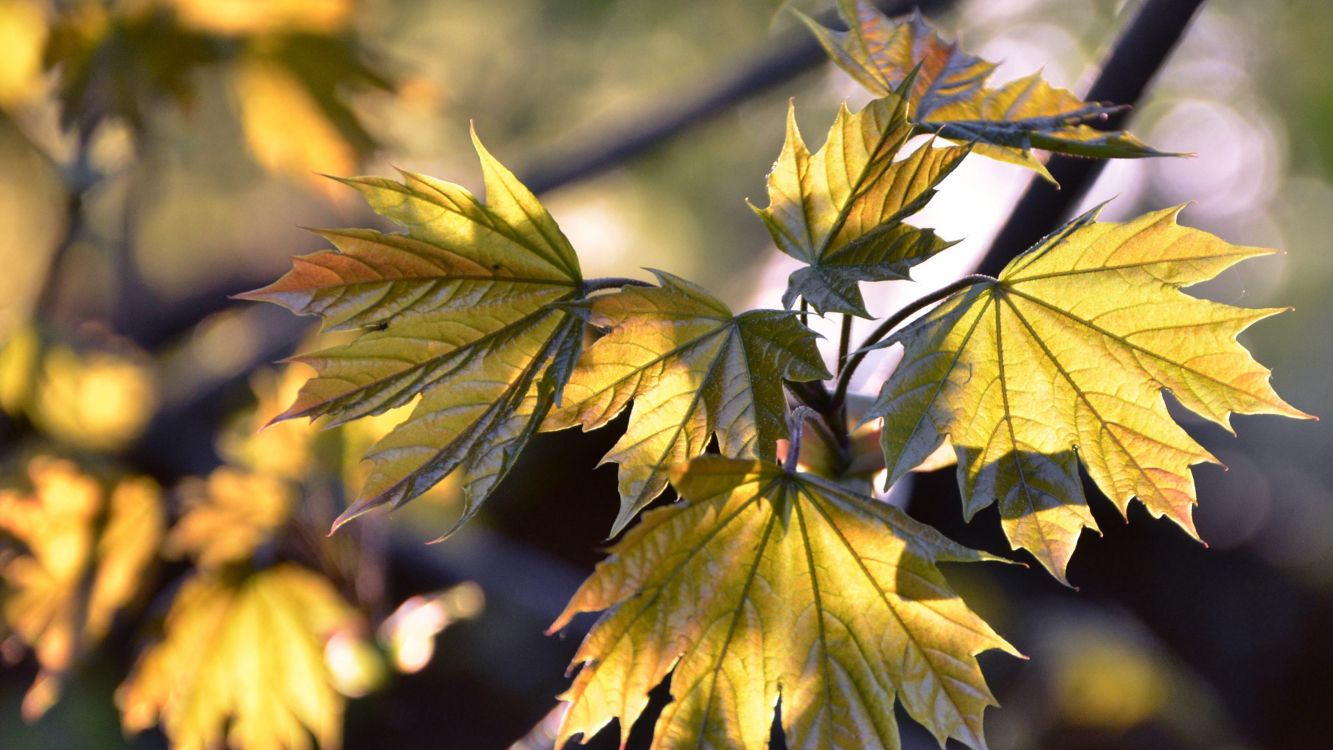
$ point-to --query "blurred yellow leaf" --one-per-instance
(22, 36)
(1109, 683)
(19, 359)
(243, 663)
(100, 400)
(228, 516)
(279, 449)
(119, 59)
(287, 131)
(85, 558)
(244, 17)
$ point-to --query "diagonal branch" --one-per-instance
(793, 54)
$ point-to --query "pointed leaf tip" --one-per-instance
(951, 94)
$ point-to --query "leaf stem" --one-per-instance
(895, 320)
(805, 313)
(844, 341)
(611, 282)
(795, 429)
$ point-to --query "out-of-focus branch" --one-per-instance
(1139, 53)
(79, 177)
(796, 52)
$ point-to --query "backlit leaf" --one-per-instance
(841, 209)
(22, 35)
(228, 516)
(950, 95)
(765, 586)
(466, 311)
(85, 553)
(242, 664)
(243, 17)
(1065, 358)
(692, 369)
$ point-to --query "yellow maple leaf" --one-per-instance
(243, 664)
(1065, 357)
(692, 369)
(765, 586)
(86, 550)
(228, 516)
(949, 94)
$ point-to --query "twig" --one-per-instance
(844, 341)
(79, 178)
(895, 320)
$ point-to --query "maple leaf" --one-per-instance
(228, 516)
(242, 664)
(766, 586)
(841, 210)
(692, 369)
(949, 95)
(465, 310)
(87, 550)
(1063, 358)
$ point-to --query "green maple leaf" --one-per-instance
(467, 310)
(692, 369)
(949, 95)
(1063, 358)
(765, 586)
(242, 664)
(841, 210)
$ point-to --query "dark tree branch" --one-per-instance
(1137, 56)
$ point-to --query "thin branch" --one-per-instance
(79, 178)
(1139, 53)
(895, 320)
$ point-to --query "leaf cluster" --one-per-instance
(766, 585)
(779, 585)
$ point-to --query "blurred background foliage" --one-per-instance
(164, 571)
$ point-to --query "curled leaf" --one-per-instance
(950, 97)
